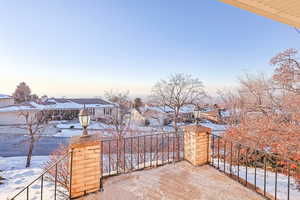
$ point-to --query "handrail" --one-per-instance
(252, 148)
(227, 154)
(145, 135)
(42, 174)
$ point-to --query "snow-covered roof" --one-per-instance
(5, 96)
(18, 107)
(74, 103)
(55, 104)
(160, 108)
(187, 109)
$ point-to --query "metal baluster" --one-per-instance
(255, 171)
(265, 174)
(71, 170)
(239, 148)
(246, 167)
(27, 193)
(151, 150)
(102, 155)
(183, 154)
(168, 147)
(218, 152)
(144, 151)
(55, 182)
(213, 150)
(289, 177)
(117, 155)
(42, 186)
(102, 166)
(230, 158)
(109, 156)
(173, 148)
(225, 156)
(156, 149)
(124, 157)
(177, 139)
(207, 149)
(276, 182)
(162, 150)
(131, 153)
(138, 151)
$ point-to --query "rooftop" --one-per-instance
(58, 104)
(5, 96)
(174, 181)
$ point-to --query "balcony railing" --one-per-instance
(264, 172)
(54, 181)
(124, 154)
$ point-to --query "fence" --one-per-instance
(266, 173)
(122, 155)
(53, 183)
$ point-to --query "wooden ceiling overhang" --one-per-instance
(284, 11)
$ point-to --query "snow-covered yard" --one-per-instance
(17, 176)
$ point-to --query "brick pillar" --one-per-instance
(85, 169)
(197, 144)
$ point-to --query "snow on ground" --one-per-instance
(17, 176)
(213, 126)
(76, 125)
(282, 180)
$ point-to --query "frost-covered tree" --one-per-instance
(177, 91)
(23, 93)
(118, 117)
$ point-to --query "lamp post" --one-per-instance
(84, 119)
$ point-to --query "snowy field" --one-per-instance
(17, 176)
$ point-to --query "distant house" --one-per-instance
(215, 115)
(145, 116)
(186, 113)
(6, 100)
(11, 115)
(58, 109)
(67, 109)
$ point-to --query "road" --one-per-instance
(14, 145)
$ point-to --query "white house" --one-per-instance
(144, 116)
(58, 109)
(11, 115)
(6, 100)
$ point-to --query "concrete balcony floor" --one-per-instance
(174, 181)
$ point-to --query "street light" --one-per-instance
(84, 119)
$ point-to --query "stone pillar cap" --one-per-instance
(78, 141)
(197, 128)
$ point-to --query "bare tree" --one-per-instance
(118, 117)
(287, 71)
(176, 92)
(35, 124)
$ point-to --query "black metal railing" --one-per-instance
(124, 154)
(53, 183)
(264, 172)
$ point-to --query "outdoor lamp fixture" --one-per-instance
(84, 119)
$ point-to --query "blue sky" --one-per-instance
(81, 48)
